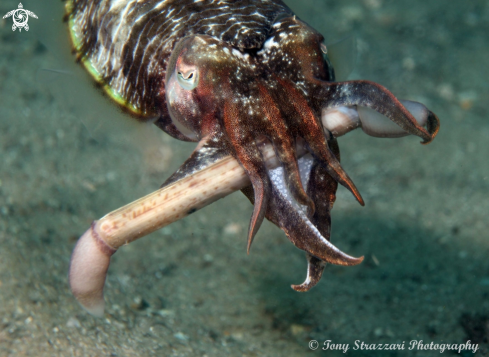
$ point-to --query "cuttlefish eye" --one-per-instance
(188, 79)
(190, 85)
(181, 81)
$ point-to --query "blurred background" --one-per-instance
(67, 157)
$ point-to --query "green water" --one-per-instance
(68, 157)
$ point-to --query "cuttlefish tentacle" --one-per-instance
(341, 120)
(311, 131)
(432, 124)
(250, 158)
(284, 146)
(372, 95)
(321, 187)
(315, 268)
(293, 219)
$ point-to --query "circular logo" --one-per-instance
(313, 345)
(20, 18)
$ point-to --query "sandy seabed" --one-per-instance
(190, 289)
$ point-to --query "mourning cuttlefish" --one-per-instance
(253, 85)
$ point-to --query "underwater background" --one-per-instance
(67, 157)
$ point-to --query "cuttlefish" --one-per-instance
(252, 85)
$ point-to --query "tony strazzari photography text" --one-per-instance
(418, 345)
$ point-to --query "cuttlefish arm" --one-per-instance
(188, 190)
(308, 232)
(293, 219)
(321, 187)
(378, 113)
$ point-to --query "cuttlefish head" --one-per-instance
(282, 94)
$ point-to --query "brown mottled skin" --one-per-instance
(264, 81)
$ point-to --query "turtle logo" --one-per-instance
(20, 17)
